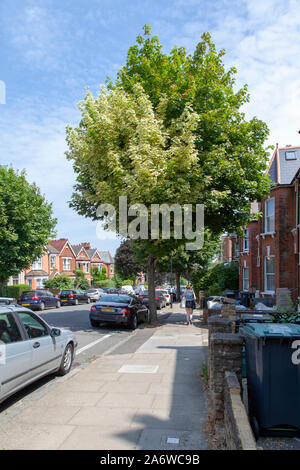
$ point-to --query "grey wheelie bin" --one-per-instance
(273, 375)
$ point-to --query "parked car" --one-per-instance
(119, 309)
(31, 349)
(39, 299)
(128, 289)
(160, 299)
(95, 294)
(166, 294)
(74, 297)
(110, 290)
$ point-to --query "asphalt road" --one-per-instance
(92, 342)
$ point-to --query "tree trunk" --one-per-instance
(177, 276)
(151, 288)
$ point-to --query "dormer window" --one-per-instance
(290, 155)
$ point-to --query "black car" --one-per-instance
(39, 299)
(119, 309)
(74, 297)
(160, 299)
(111, 290)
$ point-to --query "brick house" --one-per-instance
(83, 261)
(66, 255)
(269, 249)
(230, 248)
(108, 262)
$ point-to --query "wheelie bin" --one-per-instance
(273, 376)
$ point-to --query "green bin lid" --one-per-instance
(286, 330)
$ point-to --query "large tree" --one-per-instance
(26, 223)
(126, 262)
(170, 131)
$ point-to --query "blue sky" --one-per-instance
(51, 50)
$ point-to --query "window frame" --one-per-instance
(27, 338)
(246, 246)
(290, 152)
(247, 279)
(66, 259)
(18, 325)
(267, 217)
(268, 274)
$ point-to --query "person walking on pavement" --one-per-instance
(189, 297)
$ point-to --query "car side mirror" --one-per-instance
(55, 332)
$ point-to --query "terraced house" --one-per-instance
(60, 257)
(269, 251)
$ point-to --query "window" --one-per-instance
(270, 215)
(290, 155)
(245, 278)
(9, 331)
(33, 325)
(246, 240)
(66, 264)
(15, 280)
(37, 264)
(269, 273)
(39, 283)
(52, 261)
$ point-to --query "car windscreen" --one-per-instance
(91, 291)
(29, 293)
(120, 299)
(67, 292)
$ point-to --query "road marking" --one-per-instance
(90, 345)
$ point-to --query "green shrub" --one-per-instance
(13, 291)
(105, 283)
(60, 281)
(127, 282)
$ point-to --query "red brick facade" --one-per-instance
(272, 256)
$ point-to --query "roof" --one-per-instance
(91, 252)
(52, 250)
(77, 249)
(106, 257)
(37, 272)
(58, 244)
(281, 170)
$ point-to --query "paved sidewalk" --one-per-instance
(148, 398)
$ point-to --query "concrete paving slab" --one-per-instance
(102, 438)
(68, 398)
(156, 439)
(131, 387)
(138, 369)
(95, 416)
(21, 436)
(119, 400)
(55, 415)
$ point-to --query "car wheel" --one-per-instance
(67, 360)
(148, 317)
(76, 302)
(134, 323)
(94, 323)
(42, 306)
(58, 304)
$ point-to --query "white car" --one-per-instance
(128, 289)
(30, 349)
(95, 293)
(166, 295)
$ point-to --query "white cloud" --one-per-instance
(261, 39)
